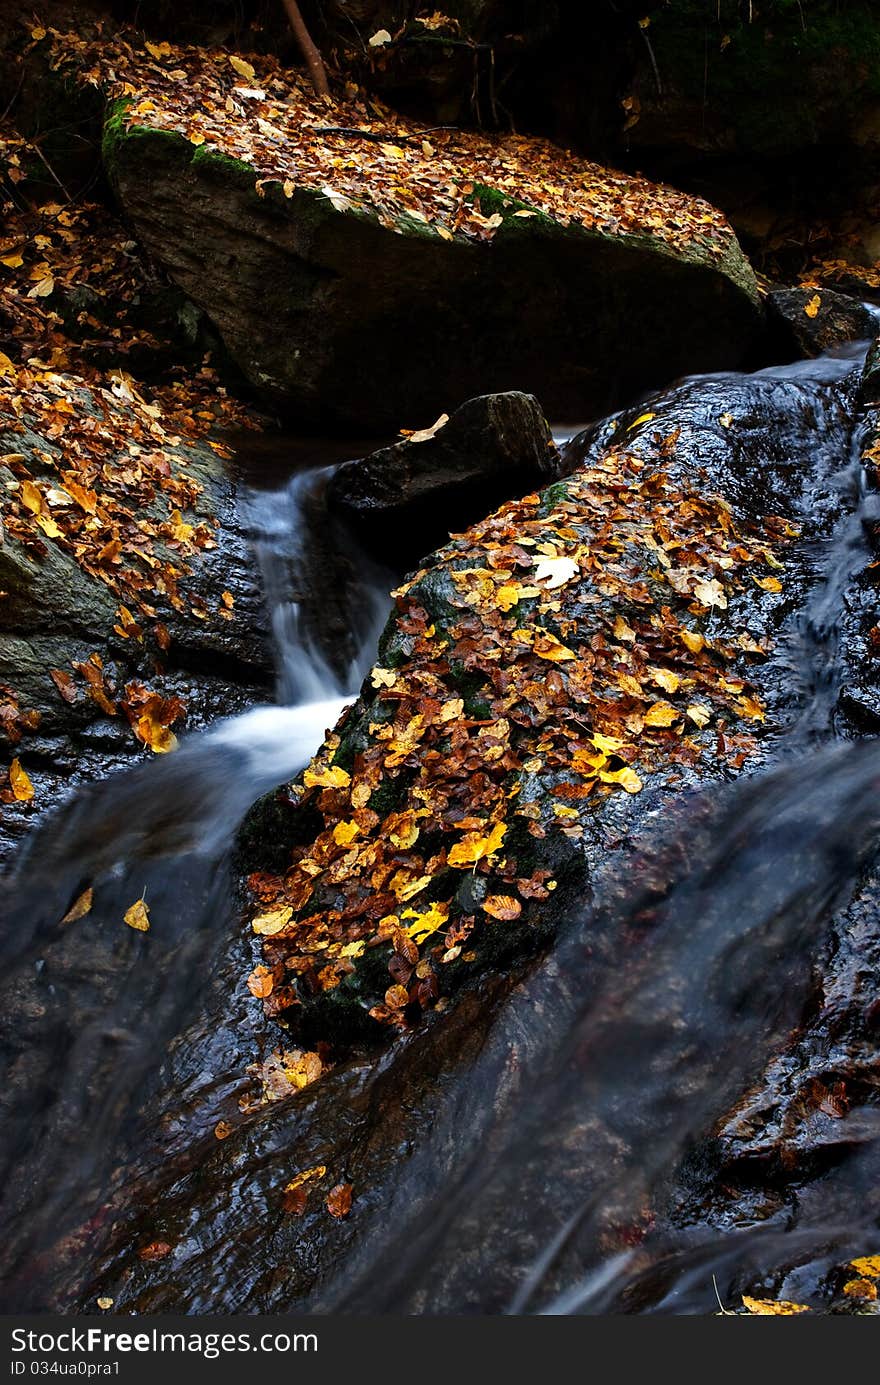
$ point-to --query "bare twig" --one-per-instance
(308, 48)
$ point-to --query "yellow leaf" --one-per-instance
(13, 261)
(6, 366)
(474, 848)
(860, 1288)
(345, 832)
(812, 308)
(48, 526)
(631, 686)
(80, 907)
(506, 597)
(547, 646)
(22, 788)
(751, 709)
(104, 1302)
(626, 778)
(661, 714)
(426, 923)
(867, 1264)
(244, 69)
(31, 497)
(333, 777)
(607, 744)
(412, 887)
(667, 680)
(711, 593)
(642, 418)
(726, 420)
(383, 677)
(451, 709)
(622, 631)
(403, 830)
(780, 1307)
(700, 715)
(138, 916)
(692, 640)
(158, 50)
(769, 584)
(268, 924)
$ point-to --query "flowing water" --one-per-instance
(668, 996)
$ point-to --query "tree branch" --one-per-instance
(314, 61)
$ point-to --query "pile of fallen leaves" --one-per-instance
(101, 466)
(558, 653)
(361, 153)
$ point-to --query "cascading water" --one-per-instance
(158, 832)
(654, 1013)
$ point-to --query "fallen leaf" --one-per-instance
(661, 714)
(556, 572)
(778, 1308)
(502, 906)
(80, 907)
(339, 1200)
(244, 69)
(260, 982)
(812, 307)
(424, 434)
(711, 593)
(269, 924)
(333, 777)
(22, 788)
(138, 916)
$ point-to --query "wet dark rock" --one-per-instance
(406, 498)
(336, 317)
(832, 320)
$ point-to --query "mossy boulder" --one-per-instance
(339, 317)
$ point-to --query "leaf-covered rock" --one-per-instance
(363, 272)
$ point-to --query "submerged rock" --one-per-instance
(406, 498)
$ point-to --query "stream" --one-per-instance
(587, 1086)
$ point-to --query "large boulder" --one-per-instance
(812, 321)
(405, 499)
(359, 278)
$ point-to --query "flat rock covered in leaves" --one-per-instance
(361, 269)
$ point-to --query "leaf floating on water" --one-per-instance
(339, 1200)
(775, 1308)
(22, 788)
(138, 916)
(80, 907)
